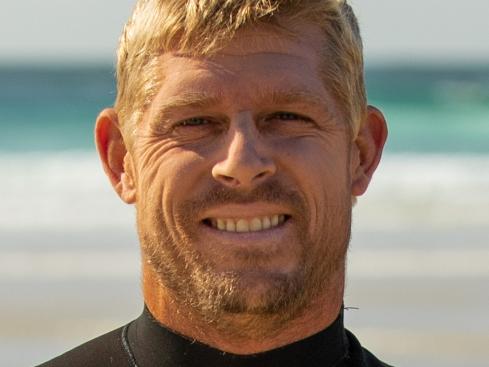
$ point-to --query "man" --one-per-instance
(241, 134)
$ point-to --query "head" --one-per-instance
(202, 27)
(241, 133)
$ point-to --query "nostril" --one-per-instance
(227, 178)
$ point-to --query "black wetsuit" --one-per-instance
(145, 343)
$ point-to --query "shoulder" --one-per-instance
(105, 350)
(359, 356)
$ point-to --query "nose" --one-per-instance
(248, 160)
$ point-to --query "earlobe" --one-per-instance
(116, 160)
(367, 150)
(128, 186)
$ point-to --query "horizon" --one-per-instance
(394, 31)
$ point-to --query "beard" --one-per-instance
(194, 281)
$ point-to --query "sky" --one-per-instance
(393, 30)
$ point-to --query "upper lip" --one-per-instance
(245, 211)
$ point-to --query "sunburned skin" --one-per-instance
(242, 172)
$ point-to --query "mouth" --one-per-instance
(243, 225)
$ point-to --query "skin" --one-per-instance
(249, 131)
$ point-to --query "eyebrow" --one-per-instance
(304, 97)
(202, 101)
(191, 100)
(293, 96)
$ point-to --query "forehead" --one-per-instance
(303, 38)
(255, 62)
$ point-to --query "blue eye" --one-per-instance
(289, 116)
(194, 121)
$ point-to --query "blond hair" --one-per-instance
(203, 26)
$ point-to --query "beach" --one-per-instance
(418, 263)
(420, 285)
(55, 299)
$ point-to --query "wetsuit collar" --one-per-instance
(148, 343)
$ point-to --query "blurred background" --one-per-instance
(419, 257)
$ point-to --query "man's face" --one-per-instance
(243, 177)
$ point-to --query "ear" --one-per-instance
(116, 160)
(367, 150)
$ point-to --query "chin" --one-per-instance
(264, 293)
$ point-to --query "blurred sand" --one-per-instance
(410, 315)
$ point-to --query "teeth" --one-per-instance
(255, 225)
(230, 225)
(243, 225)
(221, 224)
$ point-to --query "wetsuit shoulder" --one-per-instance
(105, 350)
(359, 356)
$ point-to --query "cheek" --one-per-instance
(168, 180)
(321, 172)
(316, 165)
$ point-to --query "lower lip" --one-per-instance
(258, 238)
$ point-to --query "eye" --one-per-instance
(288, 116)
(194, 121)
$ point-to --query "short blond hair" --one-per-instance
(203, 26)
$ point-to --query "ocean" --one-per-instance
(431, 109)
(418, 260)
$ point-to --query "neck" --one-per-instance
(257, 334)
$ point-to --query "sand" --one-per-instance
(55, 297)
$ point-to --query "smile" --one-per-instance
(242, 225)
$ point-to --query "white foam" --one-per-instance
(70, 191)
(427, 191)
(62, 190)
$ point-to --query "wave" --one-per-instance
(427, 191)
(69, 191)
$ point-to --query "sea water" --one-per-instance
(419, 253)
(435, 169)
(431, 109)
